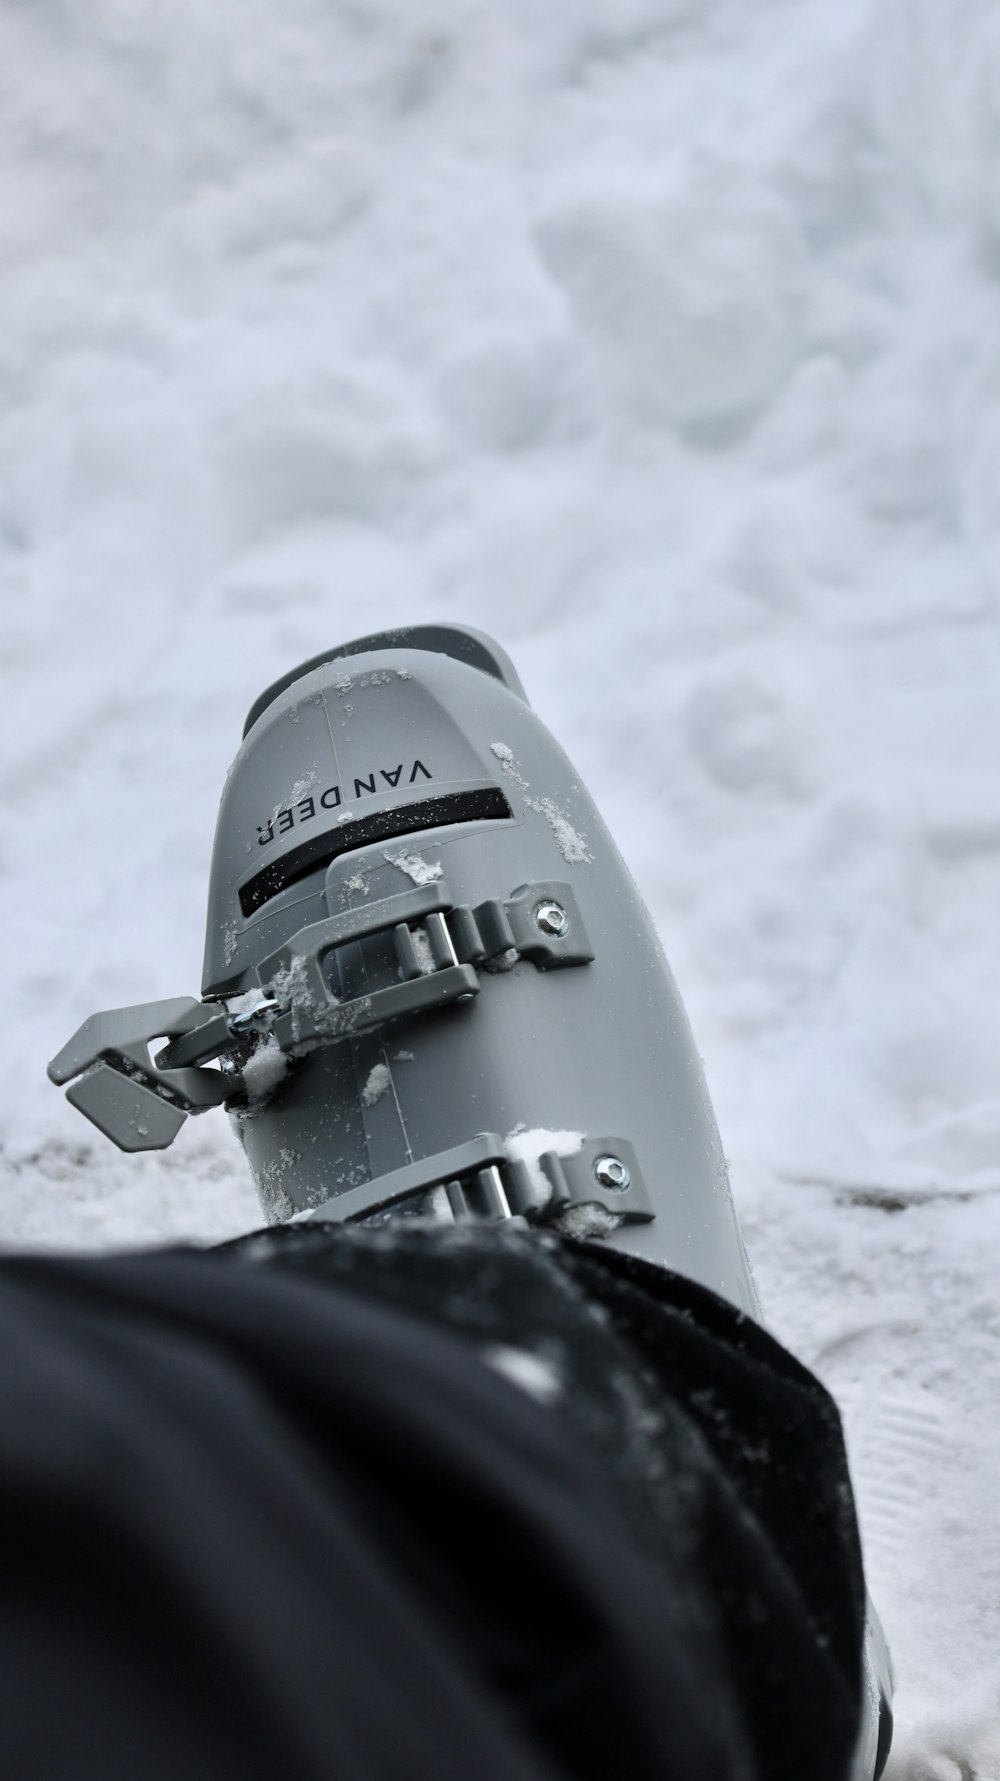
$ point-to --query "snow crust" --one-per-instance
(662, 340)
(587, 1221)
(418, 869)
(264, 1069)
(377, 1084)
(571, 844)
(528, 1147)
(422, 952)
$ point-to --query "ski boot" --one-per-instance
(431, 986)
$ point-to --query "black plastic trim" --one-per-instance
(485, 805)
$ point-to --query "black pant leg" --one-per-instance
(411, 1502)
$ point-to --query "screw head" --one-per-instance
(552, 919)
(611, 1172)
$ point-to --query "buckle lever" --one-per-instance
(134, 1102)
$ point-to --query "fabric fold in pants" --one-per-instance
(415, 1502)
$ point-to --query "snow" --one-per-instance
(571, 844)
(418, 869)
(377, 1084)
(661, 340)
(587, 1221)
(264, 1069)
(502, 962)
(422, 952)
(528, 1147)
(508, 761)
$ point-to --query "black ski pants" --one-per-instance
(415, 1503)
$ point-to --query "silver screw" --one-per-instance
(552, 919)
(611, 1172)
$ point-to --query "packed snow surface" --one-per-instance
(660, 338)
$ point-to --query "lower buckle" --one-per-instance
(481, 1182)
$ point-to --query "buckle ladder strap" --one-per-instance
(458, 939)
(141, 1103)
(481, 1182)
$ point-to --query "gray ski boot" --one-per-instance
(431, 986)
